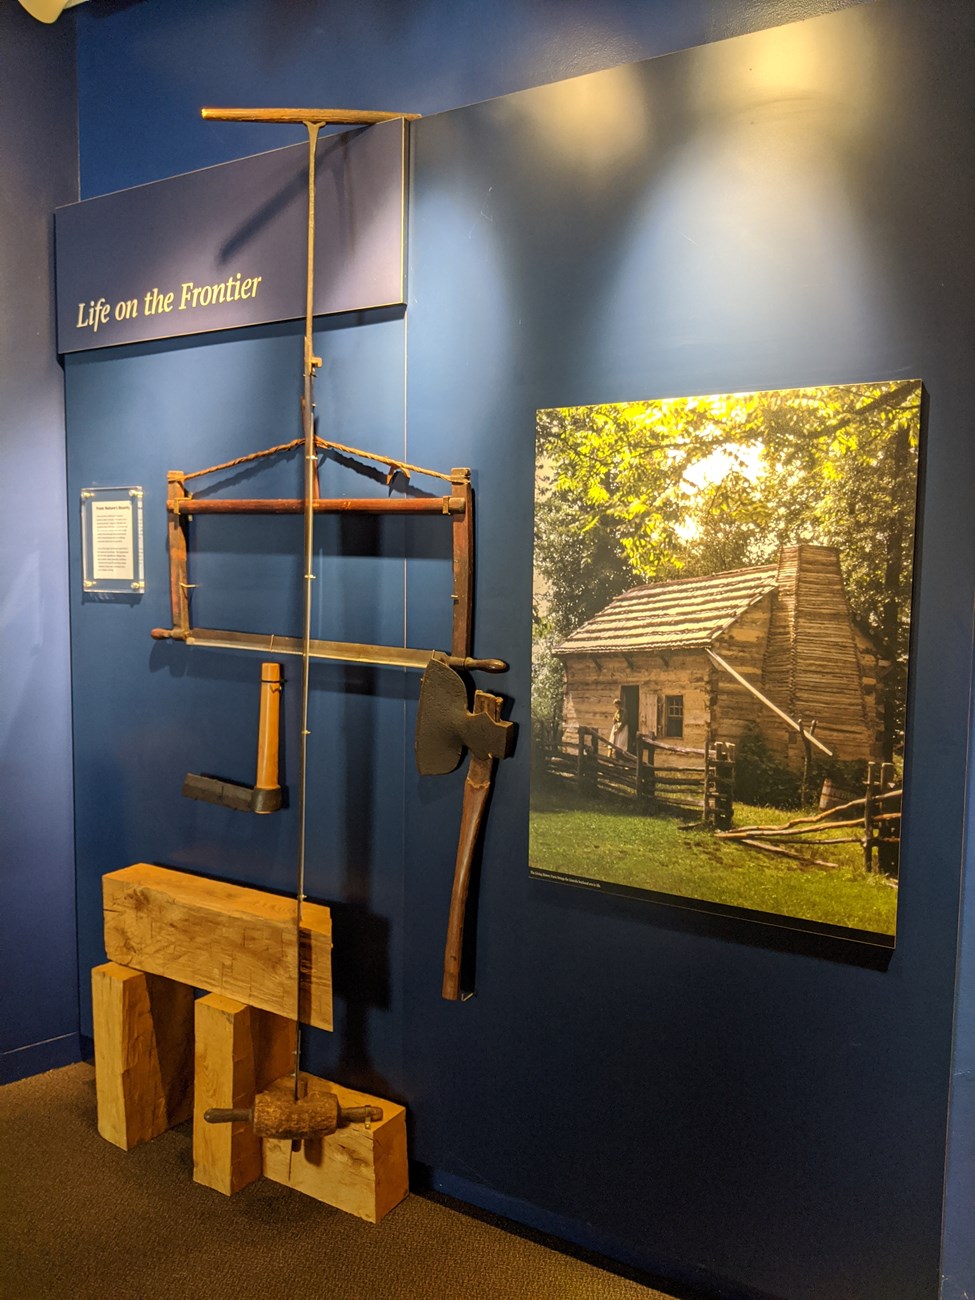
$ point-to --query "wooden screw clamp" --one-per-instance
(276, 1116)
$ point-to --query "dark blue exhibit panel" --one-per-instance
(778, 210)
(169, 709)
(220, 249)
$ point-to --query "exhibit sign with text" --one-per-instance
(721, 626)
(226, 246)
(112, 545)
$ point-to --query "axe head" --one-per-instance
(445, 726)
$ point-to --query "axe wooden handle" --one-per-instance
(477, 788)
(268, 728)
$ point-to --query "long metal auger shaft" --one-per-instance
(312, 120)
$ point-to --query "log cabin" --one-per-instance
(702, 659)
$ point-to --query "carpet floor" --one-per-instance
(82, 1220)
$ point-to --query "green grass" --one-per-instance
(604, 840)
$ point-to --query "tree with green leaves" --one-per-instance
(639, 492)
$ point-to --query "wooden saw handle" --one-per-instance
(477, 788)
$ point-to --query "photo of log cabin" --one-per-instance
(721, 622)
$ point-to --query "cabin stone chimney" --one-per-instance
(812, 668)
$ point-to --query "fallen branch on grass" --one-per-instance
(776, 832)
(832, 839)
(786, 853)
(801, 826)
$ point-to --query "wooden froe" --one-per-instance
(265, 795)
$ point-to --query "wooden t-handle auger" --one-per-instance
(312, 119)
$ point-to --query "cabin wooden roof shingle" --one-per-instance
(781, 633)
(685, 613)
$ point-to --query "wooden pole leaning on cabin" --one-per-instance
(743, 681)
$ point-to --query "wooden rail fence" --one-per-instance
(873, 822)
(703, 781)
(705, 786)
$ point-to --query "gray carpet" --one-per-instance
(82, 1220)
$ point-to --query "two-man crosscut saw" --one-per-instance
(313, 120)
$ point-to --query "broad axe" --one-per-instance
(444, 728)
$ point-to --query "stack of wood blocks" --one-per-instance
(162, 1054)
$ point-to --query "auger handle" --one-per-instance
(321, 116)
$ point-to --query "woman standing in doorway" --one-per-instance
(619, 732)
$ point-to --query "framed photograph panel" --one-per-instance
(721, 628)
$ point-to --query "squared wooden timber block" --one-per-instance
(356, 1169)
(223, 938)
(143, 1029)
(239, 1051)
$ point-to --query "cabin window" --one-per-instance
(673, 715)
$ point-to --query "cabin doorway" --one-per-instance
(630, 696)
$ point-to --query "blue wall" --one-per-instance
(163, 61)
(147, 712)
(38, 162)
(779, 210)
(784, 210)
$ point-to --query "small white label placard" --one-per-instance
(111, 541)
(111, 534)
